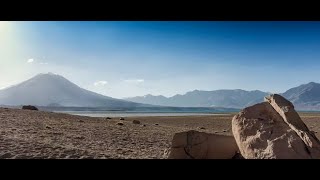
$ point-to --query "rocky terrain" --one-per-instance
(267, 130)
(38, 134)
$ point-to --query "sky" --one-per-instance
(134, 58)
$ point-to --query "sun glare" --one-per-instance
(4, 26)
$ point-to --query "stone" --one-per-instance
(120, 123)
(29, 107)
(199, 145)
(273, 130)
(136, 122)
(286, 110)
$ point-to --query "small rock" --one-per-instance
(201, 128)
(79, 137)
(121, 118)
(156, 124)
(48, 127)
(143, 125)
(224, 130)
(110, 118)
(81, 120)
(120, 123)
(136, 122)
(29, 107)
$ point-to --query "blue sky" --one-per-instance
(124, 59)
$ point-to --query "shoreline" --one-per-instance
(139, 114)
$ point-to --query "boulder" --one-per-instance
(273, 130)
(199, 145)
(29, 107)
(136, 122)
(286, 110)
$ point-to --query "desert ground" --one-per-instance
(26, 134)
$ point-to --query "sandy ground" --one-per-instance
(43, 135)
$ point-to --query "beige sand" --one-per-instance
(36, 134)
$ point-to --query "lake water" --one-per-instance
(133, 114)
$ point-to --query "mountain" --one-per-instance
(220, 98)
(150, 99)
(304, 97)
(54, 90)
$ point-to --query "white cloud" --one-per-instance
(100, 83)
(30, 61)
(134, 80)
(44, 63)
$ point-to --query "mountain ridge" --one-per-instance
(201, 98)
(304, 97)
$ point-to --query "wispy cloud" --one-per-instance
(100, 83)
(30, 60)
(134, 80)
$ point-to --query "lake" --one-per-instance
(133, 114)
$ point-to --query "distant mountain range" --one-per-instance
(56, 91)
(304, 97)
(220, 98)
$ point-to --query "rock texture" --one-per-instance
(199, 145)
(273, 130)
(286, 110)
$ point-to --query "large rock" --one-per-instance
(200, 145)
(286, 110)
(273, 129)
